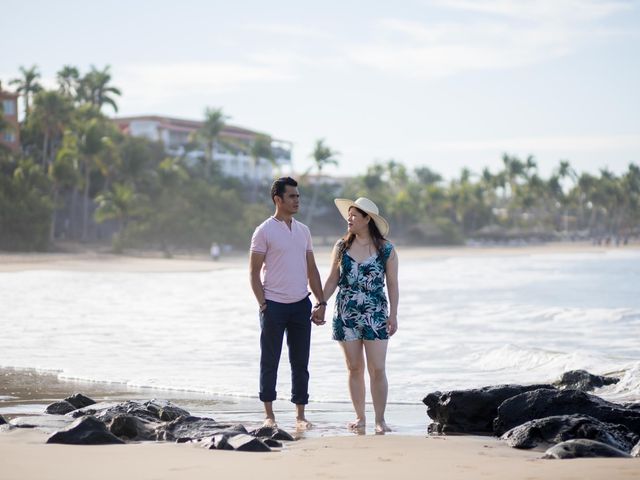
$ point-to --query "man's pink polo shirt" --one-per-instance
(285, 263)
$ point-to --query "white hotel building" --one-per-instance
(232, 150)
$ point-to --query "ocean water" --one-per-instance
(464, 321)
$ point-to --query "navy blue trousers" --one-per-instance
(295, 320)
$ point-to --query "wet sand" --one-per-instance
(26, 392)
(323, 452)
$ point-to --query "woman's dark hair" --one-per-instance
(280, 185)
(376, 236)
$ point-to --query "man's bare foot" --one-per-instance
(270, 423)
(303, 424)
(382, 428)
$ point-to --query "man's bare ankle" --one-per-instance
(269, 422)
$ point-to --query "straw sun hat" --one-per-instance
(365, 205)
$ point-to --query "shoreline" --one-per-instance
(148, 261)
(27, 391)
(333, 455)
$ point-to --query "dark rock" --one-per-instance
(217, 442)
(274, 433)
(247, 443)
(82, 412)
(470, 411)
(80, 401)
(4, 425)
(241, 442)
(135, 409)
(263, 432)
(582, 448)
(69, 404)
(49, 423)
(193, 428)
(133, 428)
(635, 451)
(165, 411)
(59, 408)
(151, 411)
(271, 443)
(282, 435)
(85, 431)
(583, 380)
(552, 430)
(632, 406)
(548, 403)
(93, 410)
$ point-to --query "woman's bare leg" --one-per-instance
(376, 352)
(354, 359)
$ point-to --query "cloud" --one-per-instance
(155, 80)
(301, 32)
(575, 143)
(540, 10)
(512, 34)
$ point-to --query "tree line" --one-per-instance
(77, 177)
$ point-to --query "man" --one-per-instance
(282, 248)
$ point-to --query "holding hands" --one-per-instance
(317, 314)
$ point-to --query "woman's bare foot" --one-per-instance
(382, 428)
(303, 424)
(270, 423)
(358, 425)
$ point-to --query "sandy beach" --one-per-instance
(25, 455)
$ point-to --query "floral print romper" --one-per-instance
(361, 304)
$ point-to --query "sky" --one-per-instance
(445, 84)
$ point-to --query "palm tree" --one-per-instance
(51, 112)
(260, 149)
(631, 185)
(90, 144)
(69, 81)
(27, 85)
(513, 168)
(322, 156)
(117, 203)
(426, 176)
(214, 122)
(95, 88)
(63, 172)
(565, 170)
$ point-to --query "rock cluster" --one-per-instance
(79, 420)
(562, 418)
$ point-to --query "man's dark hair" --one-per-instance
(280, 185)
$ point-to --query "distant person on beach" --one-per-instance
(363, 320)
(281, 248)
(215, 251)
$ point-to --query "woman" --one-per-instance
(362, 321)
